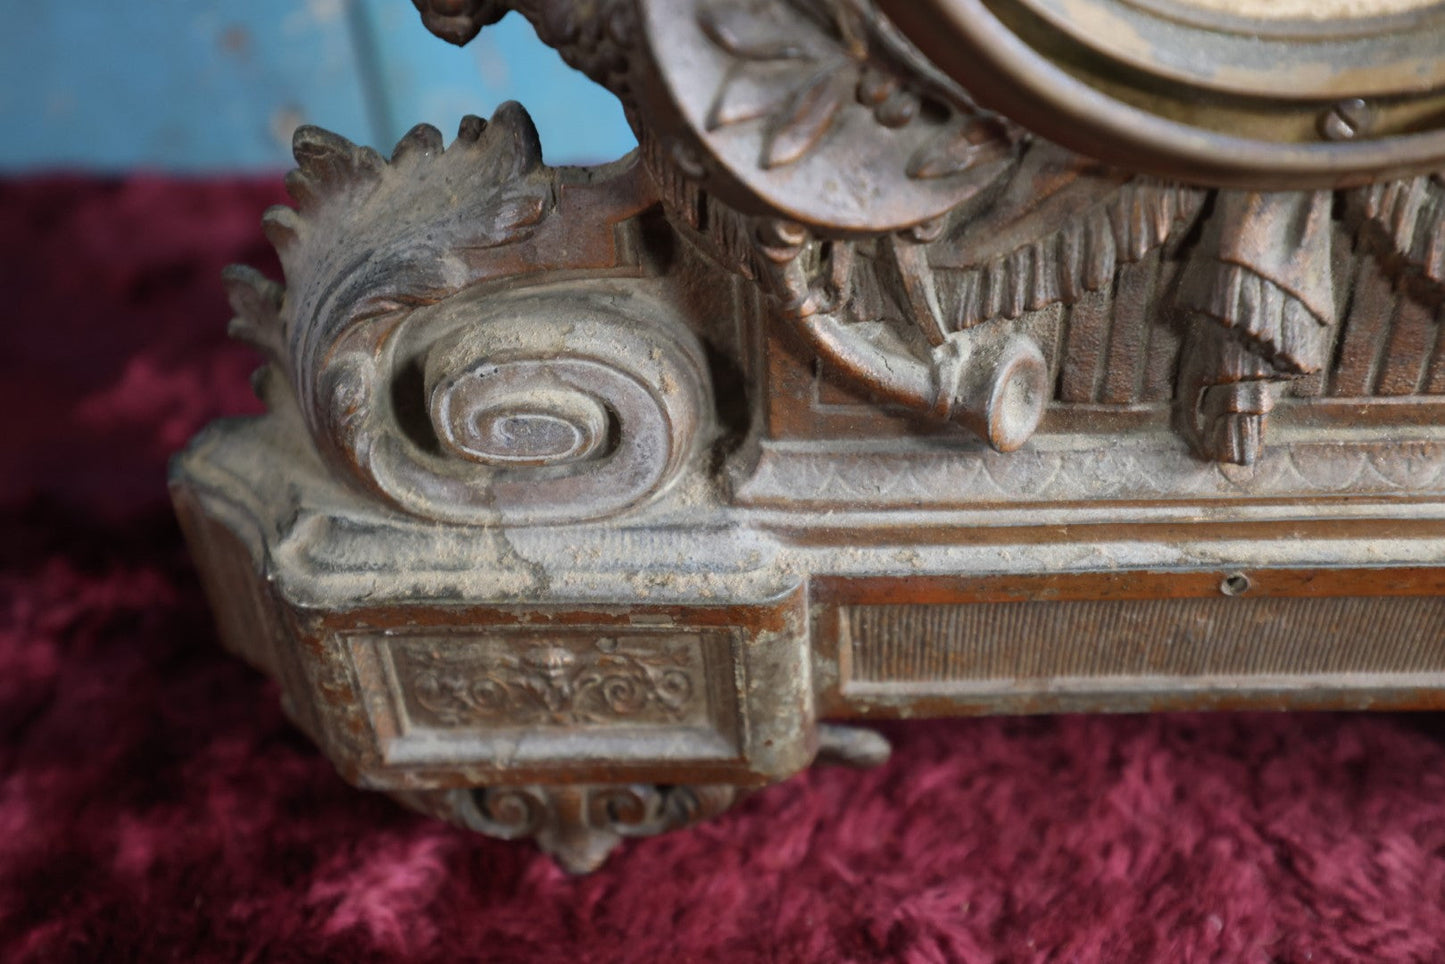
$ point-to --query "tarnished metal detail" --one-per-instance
(1193, 94)
(591, 407)
(578, 825)
(550, 680)
(775, 97)
(518, 695)
(822, 477)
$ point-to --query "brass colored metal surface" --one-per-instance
(1182, 642)
(1316, 11)
(1207, 100)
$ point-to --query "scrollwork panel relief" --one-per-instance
(551, 681)
(511, 694)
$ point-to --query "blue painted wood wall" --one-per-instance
(202, 86)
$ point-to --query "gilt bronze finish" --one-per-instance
(585, 495)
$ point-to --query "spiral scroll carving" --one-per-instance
(510, 813)
(433, 360)
(553, 404)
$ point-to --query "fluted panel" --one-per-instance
(1147, 637)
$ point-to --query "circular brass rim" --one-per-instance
(1187, 12)
(1386, 56)
(1143, 116)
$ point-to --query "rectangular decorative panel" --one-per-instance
(1025, 642)
(530, 693)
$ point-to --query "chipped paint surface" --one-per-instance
(83, 87)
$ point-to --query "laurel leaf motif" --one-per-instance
(742, 31)
(810, 111)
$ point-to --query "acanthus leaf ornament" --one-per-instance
(804, 118)
(772, 96)
(405, 279)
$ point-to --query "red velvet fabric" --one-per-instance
(155, 806)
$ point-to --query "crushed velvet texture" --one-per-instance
(155, 806)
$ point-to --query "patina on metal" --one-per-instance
(1203, 94)
(588, 500)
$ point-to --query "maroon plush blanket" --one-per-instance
(154, 805)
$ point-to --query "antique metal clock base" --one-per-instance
(589, 682)
(588, 499)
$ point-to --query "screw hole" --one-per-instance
(1234, 584)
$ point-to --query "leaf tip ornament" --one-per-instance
(809, 113)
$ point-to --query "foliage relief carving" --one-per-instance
(554, 685)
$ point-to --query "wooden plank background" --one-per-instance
(201, 86)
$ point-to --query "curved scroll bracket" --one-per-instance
(581, 824)
(436, 359)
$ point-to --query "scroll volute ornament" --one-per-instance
(430, 359)
(588, 408)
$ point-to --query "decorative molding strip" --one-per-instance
(821, 476)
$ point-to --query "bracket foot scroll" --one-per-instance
(577, 824)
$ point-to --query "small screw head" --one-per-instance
(1347, 120)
